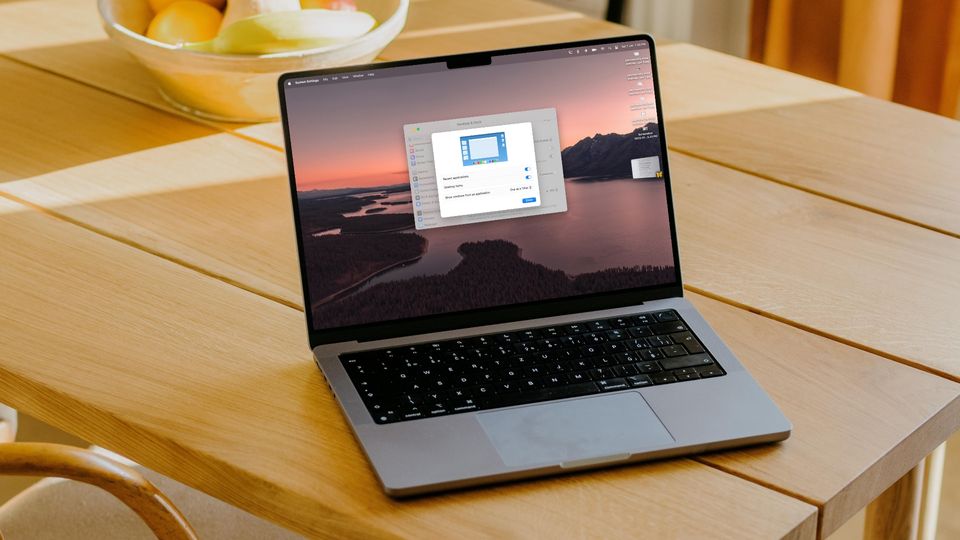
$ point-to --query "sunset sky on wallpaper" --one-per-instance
(333, 146)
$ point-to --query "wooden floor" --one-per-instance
(948, 528)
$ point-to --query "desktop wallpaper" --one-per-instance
(365, 260)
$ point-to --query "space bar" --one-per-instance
(547, 394)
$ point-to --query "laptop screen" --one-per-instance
(430, 189)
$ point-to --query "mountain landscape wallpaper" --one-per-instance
(365, 260)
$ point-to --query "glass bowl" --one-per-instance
(233, 87)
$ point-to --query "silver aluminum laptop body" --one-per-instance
(458, 450)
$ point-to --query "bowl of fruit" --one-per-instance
(220, 59)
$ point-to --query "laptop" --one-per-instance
(490, 268)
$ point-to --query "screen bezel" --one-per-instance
(497, 314)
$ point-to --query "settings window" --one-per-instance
(483, 168)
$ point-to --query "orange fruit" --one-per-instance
(185, 21)
(158, 5)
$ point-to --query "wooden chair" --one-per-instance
(130, 485)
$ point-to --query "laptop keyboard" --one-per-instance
(528, 366)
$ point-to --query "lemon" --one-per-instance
(185, 21)
(158, 5)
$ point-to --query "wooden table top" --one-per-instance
(150, 302)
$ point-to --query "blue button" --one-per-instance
(526, 168)
(527, 177)
(529, 200)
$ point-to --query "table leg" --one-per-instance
(895, 514)
(933, 481)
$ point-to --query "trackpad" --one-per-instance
(575, 430)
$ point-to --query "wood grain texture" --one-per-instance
(268, 436)
(869, 152)
(121, 481)
(895, 513)
(49, 123)
(218, 204)
(879, 283)
(698, 82)
(850, 411)
(932, 489)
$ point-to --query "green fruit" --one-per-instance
(285, 31)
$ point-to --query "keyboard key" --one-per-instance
(460, 393)
(506, 387)
(664, 378)
(667, 316)
(386, 416)
(598, 325)
(581, 364)
(638, 381)
(576, 329)
(591, 350)
(535, 371)
(688, 341)
(554, 380)
(659, 341)
(579, 376)
(710, 371)
(640, 331)
(529, 384)
(605, 361)
(614, 347)
(686, 376)
(620, 322)
(464, 405)
(686, 361)
(650, 354)
(645, 318)
(509, 374)
(528, 335)
(411, 413)
(525, 347)
(667, 327)
(609, 385)
(559, 367)
(593, 338)
(483, 390)
(435, 409)
(673, 350)
(647, 367)
(616, 335)
(548, 344)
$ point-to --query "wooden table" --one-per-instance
(149, 296)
